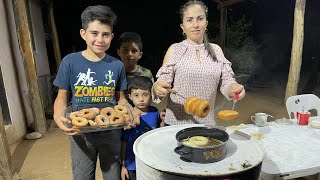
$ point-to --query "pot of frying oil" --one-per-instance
(201, 144)
(183, 152)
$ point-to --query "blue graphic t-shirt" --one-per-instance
(148, 121)
(91, 82)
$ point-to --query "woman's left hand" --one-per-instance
(235, 87)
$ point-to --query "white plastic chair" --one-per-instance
(301, 102)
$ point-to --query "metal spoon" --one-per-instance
(175, 92)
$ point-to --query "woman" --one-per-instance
(194, 67)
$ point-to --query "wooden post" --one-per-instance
(54, 35)
(296, 51)
(223, 27)
(6, 167)
(26, 48)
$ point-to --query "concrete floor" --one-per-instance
(48, 158)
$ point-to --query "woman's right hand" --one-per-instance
(124, 173)
(160, 88)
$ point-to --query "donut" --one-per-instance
(87, 113)
(73, 115)
(108, 111)
(96, 110)
(187, 106)
(117, 119)
(126, 117)
(227, 115)
(121, 109)
(199, 140)
(79, 121)
(92, 123)
(203, 109)
(102, 119)
(188, 143)
(194, 106)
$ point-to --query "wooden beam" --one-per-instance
(24, 36)
(296, 51)
(226, 3)
(54, 37)
(223, 27)
(6, 166)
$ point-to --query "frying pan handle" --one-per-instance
(179, 150)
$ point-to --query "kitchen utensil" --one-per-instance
(235, 99)
(207, 154)
(175, 92)
(260, 119)
(303, 118)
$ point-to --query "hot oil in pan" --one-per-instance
(198, 141)
(213, 142)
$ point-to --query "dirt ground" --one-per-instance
(48, 158)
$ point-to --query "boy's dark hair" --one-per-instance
(140, 82)
(102, 13)
(131, 37)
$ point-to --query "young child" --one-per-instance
(130, 52)
(140, 94)
(94, 78)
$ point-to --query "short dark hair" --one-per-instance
(131, 37)
(140, 82)
(102, 13)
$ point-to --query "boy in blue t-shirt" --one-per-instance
(96, 78)
(140, 94)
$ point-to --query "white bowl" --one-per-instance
(315, 124)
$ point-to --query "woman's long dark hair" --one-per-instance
(205, 36)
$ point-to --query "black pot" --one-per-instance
(207, 154)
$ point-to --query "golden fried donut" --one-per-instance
(187, 106)
(73, 115)
(96, 110)
(203, 109)
(199, 140)
(117, 118)
(227, 115)
(79, 121)
(108, 111)
(195, 106)
(126, 117)
(102, 119)
(92, 123)
(87, 113)
(121, 109)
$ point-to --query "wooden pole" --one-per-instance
(54, 35)
(26, 48)
(296, 51)
(6, 167)
(223, 27)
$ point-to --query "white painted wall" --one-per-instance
(10, 59)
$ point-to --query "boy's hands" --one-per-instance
(61, 122)
(136, 118)
(124, 173)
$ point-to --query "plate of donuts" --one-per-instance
(93, 119)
